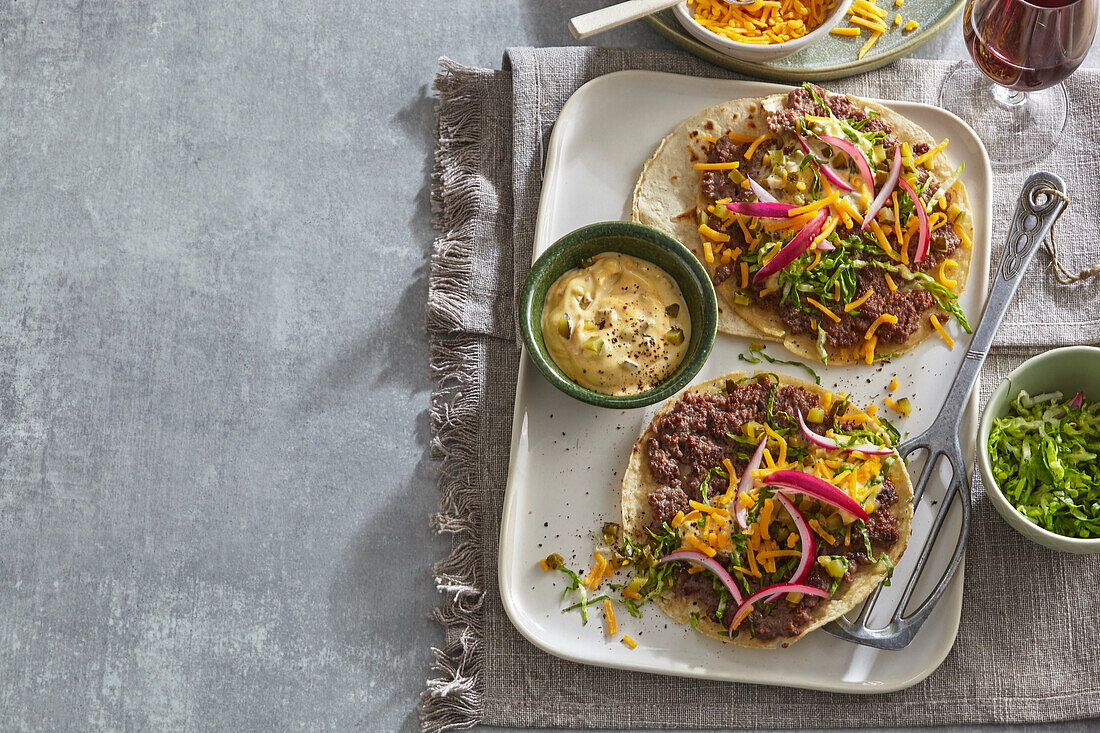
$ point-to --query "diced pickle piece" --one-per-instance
(611, 533)
(741, 299)
(904, 406)
(954, 211)
(565, 326)
(634, 587)
(794, 598)
(595, 345)
(835, 565)
(672, 310)
(554, 561)
(675, 336)
(737, 177)
(816, 414)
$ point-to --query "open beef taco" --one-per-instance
(804, 208)
(821, 519)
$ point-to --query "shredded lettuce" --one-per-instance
(756, 352)
(1044, 459)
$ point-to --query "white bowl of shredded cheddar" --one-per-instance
(763, 31)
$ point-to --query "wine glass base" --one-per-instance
(1016, 128)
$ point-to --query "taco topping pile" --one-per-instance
(833, 223)
(768, 500)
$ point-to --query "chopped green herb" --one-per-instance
(756, 352)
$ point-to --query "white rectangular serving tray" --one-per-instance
(567, 458)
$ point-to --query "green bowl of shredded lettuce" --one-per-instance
(1039, 449)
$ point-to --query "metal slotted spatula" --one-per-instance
(1041, 201)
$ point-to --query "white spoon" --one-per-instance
(614, 16)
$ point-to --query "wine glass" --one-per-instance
(1011, 95)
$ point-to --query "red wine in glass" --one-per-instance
(1027, 45)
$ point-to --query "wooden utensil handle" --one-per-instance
(614, 16)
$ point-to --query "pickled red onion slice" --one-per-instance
(740, 512)
(794, 248)
(820, 489)
(922, 215)
(710, 564)
(885, 191)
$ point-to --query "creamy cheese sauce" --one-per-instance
(617, 325)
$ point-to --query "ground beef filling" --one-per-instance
(691, 439)
(909, 305)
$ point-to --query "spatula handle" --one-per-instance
(614, 16)
(1035, 214)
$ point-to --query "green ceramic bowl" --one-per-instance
(1069, 370)
(635, 240)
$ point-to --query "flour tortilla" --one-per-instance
(638, 482)
(668, 197)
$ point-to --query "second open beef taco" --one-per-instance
(760, 508)
(830, 224)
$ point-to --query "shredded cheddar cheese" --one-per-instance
(744, 275)
(827, 230)
(893, 384)
(890, 282)
(713, 235)
(609, 614)
(766, 518)
(814, 206)
(944, 334)
(744, 230)
(764, 21)
(869, 350)
(940, 274)
(925, 157)
(821, 531)
(884, 318)
(823, 309)
(708, 251)
(817, 259)
(858, 301)
(629, 641)
(677, 519)
(868, 24)
(845, 31)
(756, 144)
(699, 545)
(845, 207)
(717, 166)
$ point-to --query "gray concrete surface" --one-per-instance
(213, 473)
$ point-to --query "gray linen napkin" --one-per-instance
(1027, 649)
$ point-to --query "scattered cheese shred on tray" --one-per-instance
(866, 15)
(609, 613)
(629, 641)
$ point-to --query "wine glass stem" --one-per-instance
(1008, 98)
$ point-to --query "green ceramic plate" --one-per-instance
(833, 57)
